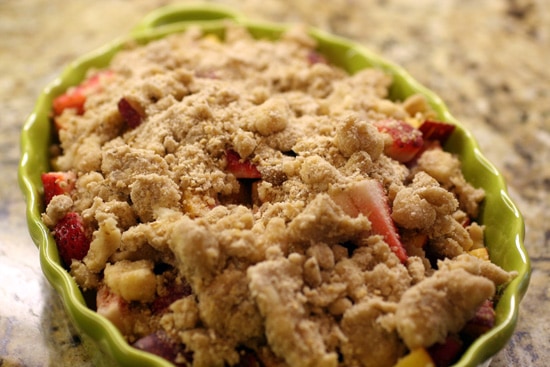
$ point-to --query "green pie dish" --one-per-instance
(504, 224)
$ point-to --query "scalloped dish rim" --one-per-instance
(505, 242)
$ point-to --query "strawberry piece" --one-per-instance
(73, 99)
(71, 238)
(249, 359)
(160, 344)
(444, 354)
(57, 183)
(240, 168)
(109, 303)
(483, 321)
(435, 134)
(314, 57)
(176, 291)
(76, 97)
(368, 198)
(436, 131)
(114, 308)
(406, 141)
(131, 112)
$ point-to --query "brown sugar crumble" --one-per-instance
(233, 193)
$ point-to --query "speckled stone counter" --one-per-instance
(487, 59)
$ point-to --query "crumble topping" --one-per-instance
(281, 257)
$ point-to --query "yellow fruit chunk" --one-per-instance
(480, 253)
(212, 37)
(416, 358)
(414, 122)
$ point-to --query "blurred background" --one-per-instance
(487, 59)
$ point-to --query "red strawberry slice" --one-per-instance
(436, 130)
(444, 354)
(240, 168)
(483, 321)
(57, 183)
(131, 112)
(406, 141)
(368, 198)
(435, 134)
(76, 97)
(73, 99)
(71, 238)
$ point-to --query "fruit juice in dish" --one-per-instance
(244, 201)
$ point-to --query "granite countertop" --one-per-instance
(487, 59)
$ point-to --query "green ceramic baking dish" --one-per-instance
(503, 222)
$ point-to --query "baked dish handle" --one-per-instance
(175, 14)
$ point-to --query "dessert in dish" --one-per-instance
(240, 201)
